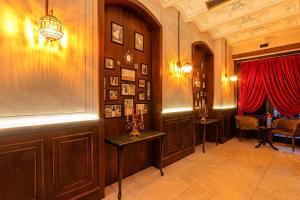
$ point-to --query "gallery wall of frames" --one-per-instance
(132, 82)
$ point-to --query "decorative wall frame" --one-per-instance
(141, 106)
(127, 74)
(148, 90)
(109, 63)
(142, 83)
(142, 96)
(128, 89)
(128, 107)
(138, 41)
(113, 95)
(112, 111)
(128, 58)
(117, 33)
(144, 69)
(104, 90)
(114, 81)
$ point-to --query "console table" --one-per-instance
(124, 140)
(205, 123)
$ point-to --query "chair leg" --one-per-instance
(293, 143)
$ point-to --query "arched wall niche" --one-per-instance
(134, 17)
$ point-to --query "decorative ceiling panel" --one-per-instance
(239, 20)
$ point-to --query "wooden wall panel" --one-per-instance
(21, 171)
(51, 162)
(179, 136)
(71, 172)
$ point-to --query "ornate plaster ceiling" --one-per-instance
(240, 20)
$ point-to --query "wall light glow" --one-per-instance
(10, 25)
(223, 107)
(174, 110)
(14, 122)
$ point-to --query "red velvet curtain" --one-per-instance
(252, 92)
(279, 78)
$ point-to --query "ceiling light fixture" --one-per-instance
(186, 67)
(50, 26)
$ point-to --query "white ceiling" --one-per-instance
(240, 20)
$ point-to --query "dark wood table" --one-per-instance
(124, 140)
(264, 139)
(204, 124)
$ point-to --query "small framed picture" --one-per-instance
(128, 74)
(141, 108)
(203, 75)
(128, 89)
(142, 96)
(128, 107)
(198, 74)
(109, 63)
(201, 93)
(201, 65)
(112, 111)
(113, 95)
(104, 88)
(148, 90)
(203, 85)
(203, 102)
(128, 58)
(197, 95)
(197, 83)
(144, 69)
(142, 83)
(113, 81)
(138, 41)
(117, 33)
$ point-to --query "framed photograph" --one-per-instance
(128, 107)
(203, 84)
(142, 83)
(141, 107)
(104, 88)
(128, 74)
(201, 93)
(128, 89)
(203, 102)
(198, 74)
(144, 69)
(197, 83)
(113, 81)
(201, 65)
(113, 95)
(197, 95)
(148, 90)
(203, 75)
(138, 41)
(109, 63)
(117, 33)
(142, 96)
(112, 111)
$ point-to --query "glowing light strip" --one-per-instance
(223, 107)
(173, 110)
(14, 122)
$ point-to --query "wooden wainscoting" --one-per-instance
(179, 140)
(226, 125)
(53, 162)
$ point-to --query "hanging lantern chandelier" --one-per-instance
(51, 27)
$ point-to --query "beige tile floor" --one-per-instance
(230, 171)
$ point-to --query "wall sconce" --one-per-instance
(51, 27)
(233, 78)
(186, 67)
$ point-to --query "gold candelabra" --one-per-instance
(203, 113)
(135, 124)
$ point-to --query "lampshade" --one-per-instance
(51, 27)
(187, 68)
(233, 78)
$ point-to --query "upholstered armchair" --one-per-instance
(246, 123)
(287, 127)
